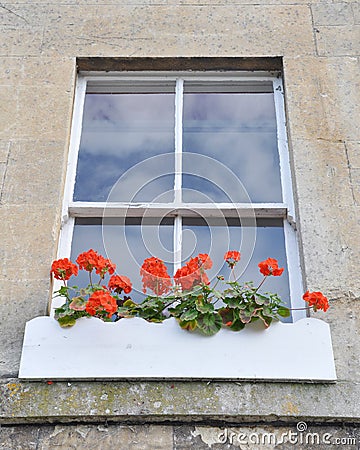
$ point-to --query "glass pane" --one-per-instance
(236, 134)
(254, 243)
(127, 246)
(124, 145)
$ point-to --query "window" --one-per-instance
(172, 165)
(176, 164)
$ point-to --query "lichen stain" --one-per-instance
(290, 408)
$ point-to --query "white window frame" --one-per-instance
(135, 349)
(285, 210)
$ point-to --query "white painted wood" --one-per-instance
(286, 178)
(136, 349)
(295, 272)
(75, 139)
(248, 210)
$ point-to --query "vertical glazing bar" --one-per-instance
(178, 169)
(178, 138)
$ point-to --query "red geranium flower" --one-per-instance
(232, 254)
(88, 260)
(270, 267)
(104, 265)
(193, 273)
(232, 257)
(119, 283)
(63, 269)
(92, 260)
(317, 300)
(101, 301)
(155, 276)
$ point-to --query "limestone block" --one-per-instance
(35, 173)
(326, 214)
(134, 402)
(353, 152)
(20, 300)
(356, 11)
(28, 237)
(323, 98)
(184, 29)
(26, 40)
(43, 113)
(91, 437)
(8, 111)
(332, 13)
(344, 319)
(38, 71)
(4, 151)
(325, 161)
(355, 176)
(300, 435)
(329, 42)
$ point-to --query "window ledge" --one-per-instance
(136, 349)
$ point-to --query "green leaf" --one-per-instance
(209, 323)
(190, 314)
(283, 311)
(130, 303)
(78, 304)
(66, 321)
(203, 306)
(237, 325)
(233, 302)
(227, 315)
(246, 315)
(189, 325)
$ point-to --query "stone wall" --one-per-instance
(39, 46)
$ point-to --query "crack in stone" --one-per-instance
(14, 13)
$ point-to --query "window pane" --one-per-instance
(121, 132)
(254, 243)
(236, 133)
(126, 245)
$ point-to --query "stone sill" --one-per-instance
(135, 349)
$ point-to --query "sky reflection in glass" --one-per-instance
(120, 131)
(239, 131)
(127, 246)
(254, 244)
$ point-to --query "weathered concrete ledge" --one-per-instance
(180, 402)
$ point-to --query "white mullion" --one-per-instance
(179, 91)
(177, 242)
(178, 139)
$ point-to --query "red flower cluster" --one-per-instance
(92, 260)
(119, 283)
(270, 267)
(63, 269)
(155, 276)
(101, 301)
(193, 273)
(232, 257)
(317, 300)
(232, 254)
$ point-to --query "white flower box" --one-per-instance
(136, 349)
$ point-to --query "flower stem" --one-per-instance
(263, 281)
